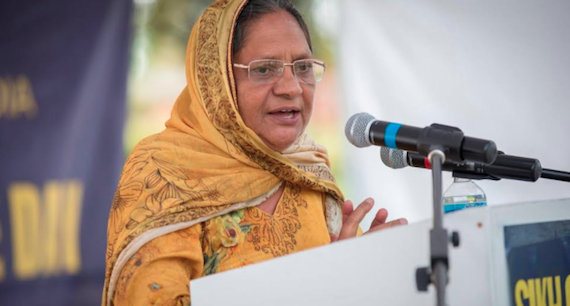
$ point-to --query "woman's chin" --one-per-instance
(281, 142)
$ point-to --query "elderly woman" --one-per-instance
(232, 180)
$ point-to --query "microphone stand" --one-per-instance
(514, 174)
(555, 175)
(438, 237)
(441, 143)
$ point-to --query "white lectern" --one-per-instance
(379, 268)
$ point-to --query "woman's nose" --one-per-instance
(288, 84)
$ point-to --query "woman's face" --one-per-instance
(274, 36)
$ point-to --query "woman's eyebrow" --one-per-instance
(302, 56)
(295, 57)
(276, 57)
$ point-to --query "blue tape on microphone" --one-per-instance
(390, 135)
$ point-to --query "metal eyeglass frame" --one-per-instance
(315, 61)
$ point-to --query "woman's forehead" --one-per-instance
(275, 35)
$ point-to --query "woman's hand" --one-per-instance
(352, 218)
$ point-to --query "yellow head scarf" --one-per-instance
(207, 162)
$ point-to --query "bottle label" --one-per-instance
(454, 203)
(459, 206)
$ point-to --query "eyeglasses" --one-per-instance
(269, 71)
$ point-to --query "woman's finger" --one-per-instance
(334, 237)
(347, 209)
(380, 218)
(351, 222)
(398, 222)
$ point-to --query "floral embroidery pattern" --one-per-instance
(221, 237)
(172, 186)
(139, 258)
(129, 189)
(321, 172)
(276, 234)
(271, 234)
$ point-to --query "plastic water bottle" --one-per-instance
(463, 193)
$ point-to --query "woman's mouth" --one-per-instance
(286, 115)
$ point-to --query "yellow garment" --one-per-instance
(206, 163)
(158, 274)
(250, 235)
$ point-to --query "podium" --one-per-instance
(380, 268)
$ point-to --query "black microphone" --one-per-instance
(363, 130)
(504, 166)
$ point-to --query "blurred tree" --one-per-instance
(172, 21)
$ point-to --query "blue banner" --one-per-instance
(538, 259)
(63, 73)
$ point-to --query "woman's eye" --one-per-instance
(263, 70)
(304, 67)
